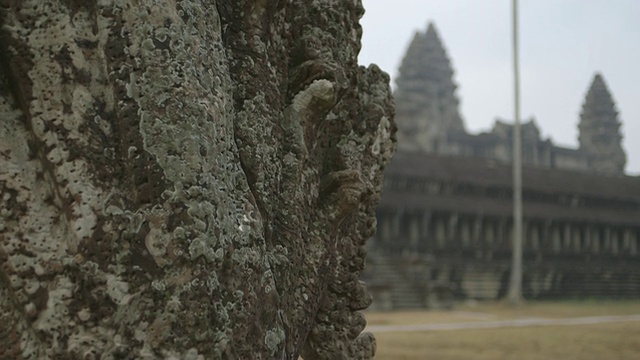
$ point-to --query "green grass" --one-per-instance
(590, 342)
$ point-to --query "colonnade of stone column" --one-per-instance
(421, 231)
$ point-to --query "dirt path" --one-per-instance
(523, 322)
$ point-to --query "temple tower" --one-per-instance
(426, 104)
(599, 127)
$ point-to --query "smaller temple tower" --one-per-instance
(426, 104)
(599, 127)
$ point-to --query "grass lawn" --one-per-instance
(599, 341)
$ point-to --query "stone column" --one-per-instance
(424, 226)
(510, 230)
(440, 232)
(556, 240)
(586, 239)
(452, 229)
(626, 244)
(614, 240)
(489, 233)
(396, 218)
(502, 232)
(465, 232)
(526, 235)
(545, 235)
(535, 237)
(633, 242)
(594, 236)
(384, 228)
(566, 246)
(476, 235)
(608, 246)
(577, 239)
(414, 230)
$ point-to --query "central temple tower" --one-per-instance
(600, 136)
(427, 107)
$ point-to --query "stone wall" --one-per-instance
(454, 213)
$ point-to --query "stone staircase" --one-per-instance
(481, 285)
(598, 284)
(403, 294)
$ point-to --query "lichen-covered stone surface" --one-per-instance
(187, 179)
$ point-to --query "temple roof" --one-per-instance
(615, 199)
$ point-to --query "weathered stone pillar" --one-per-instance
(465, 232)
(626, 244)
(384, 232)
(396, 220)
(534, 237)
(502, 234)
(566, 246)
(187, 179)
(630, 244)
(588, 240)
(612, 240)
(414, 229)
(476, 235)
(577, 239)
(594, 236)
(556, 240)
(424, 227)
(440, 232)
(633, 241)
(607, 246)
(452, 229)
(509, 243)
(545, 235)
(526, 235)
(489, 233)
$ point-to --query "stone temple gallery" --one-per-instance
(445, 218)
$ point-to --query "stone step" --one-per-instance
(406, 302)
(403, 294)
(481, 285)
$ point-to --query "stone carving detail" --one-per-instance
(187, 180)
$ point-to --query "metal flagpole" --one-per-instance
(514, 295)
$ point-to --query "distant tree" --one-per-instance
(187, 179)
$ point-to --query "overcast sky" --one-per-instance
(563, 43)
